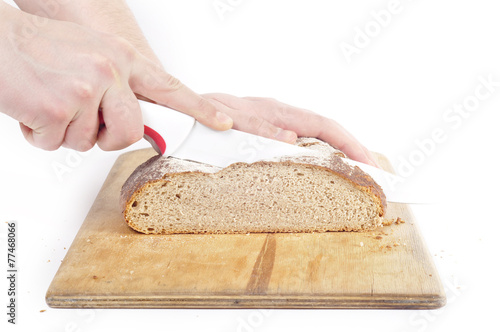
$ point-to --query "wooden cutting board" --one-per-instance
(110, 265)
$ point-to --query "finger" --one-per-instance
(122, 119)
(267, 108)
(256, 125)
(49, 135)
(277, 113)
(309, 124)
(81, 134)
(25, 130)
(372, 157)
(151, 81)
(303, 122)
(336, 135)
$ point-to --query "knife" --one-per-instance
(172, 133)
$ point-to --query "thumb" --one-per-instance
(150, 80)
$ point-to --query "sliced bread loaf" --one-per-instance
(166, 195)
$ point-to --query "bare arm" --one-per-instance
(110, 16)
(260, 116)
(61, 73)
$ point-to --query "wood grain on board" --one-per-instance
(110, 265)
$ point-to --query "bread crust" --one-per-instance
(160, 168)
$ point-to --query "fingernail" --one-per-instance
(372, 161)
(286, 136)
(223, 118)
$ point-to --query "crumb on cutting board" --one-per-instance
(397, 221)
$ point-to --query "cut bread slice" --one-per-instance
(291, 194)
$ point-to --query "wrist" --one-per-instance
(6, 15)
(10, 37)
(11, 22)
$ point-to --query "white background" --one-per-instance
(394, 93)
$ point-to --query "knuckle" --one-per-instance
(58, 114)
(123, 128)
(271, 101)
(323, 123)
(281, 112)
(205, 107)
(83, 90)
(257, 124)
(125, 108)
(88, 137)
(104, 66)
(125, 48)
(173, 83)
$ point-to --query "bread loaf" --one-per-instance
(305, 193)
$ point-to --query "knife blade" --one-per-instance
(172, 133)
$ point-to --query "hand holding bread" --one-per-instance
(273, 119)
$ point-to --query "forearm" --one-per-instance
(7, 15)
(110, 16)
